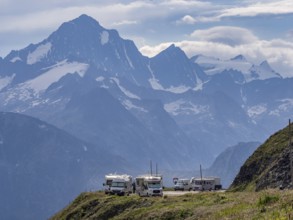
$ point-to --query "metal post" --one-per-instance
(201, 177)
(289, 132)
(290, 153)
(151, 168)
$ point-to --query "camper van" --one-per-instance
(182, 184)
(205, 183)
(118, 184)
(108, 182)
(149, 185)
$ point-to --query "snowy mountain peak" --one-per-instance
(265, 65)
(85, 20)
(239, 58)
(82, 23)
(172, 50)
(250, 71)
(263, 71)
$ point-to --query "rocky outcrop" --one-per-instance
(267, 167)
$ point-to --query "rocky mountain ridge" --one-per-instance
(268, 166)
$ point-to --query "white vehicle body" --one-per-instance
(118, 184)
(182, 184)
(149, 185)
(205, 183)
(108, 182)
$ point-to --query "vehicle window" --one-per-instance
(154, 184)
(117, 184)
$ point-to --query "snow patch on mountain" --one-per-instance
(125, 91)
(250, 71)
(39, 53)
(42, 126)
(15, 59)
(54, 74)
(100, 78)
(182, 107)
(104, 37)
(128, 59)
(155, 84)
(5, 81)
(84, 148)
(199, 85)
(173, 89)
(128, 104)
(214, 66)
(286, 106)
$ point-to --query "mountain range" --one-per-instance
(167, 103)
(181, 112)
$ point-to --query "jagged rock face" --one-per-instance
(279, 174)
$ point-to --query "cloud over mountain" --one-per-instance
(228, 35)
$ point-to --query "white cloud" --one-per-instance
(187, 19)
(20, 18)
(259, 8)
(226, 35)
(125, 22)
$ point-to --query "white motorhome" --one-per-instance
(182, 184)
(118, 184)
(149, 185)
(205, 183)
(108, 182)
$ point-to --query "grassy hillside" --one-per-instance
(269, 204)
(267, 167)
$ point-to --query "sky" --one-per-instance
(258, 29)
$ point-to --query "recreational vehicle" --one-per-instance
(149, 185)
(118, 184)
(182, 184)
(205, 183)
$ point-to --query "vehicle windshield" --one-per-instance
(109, 182)
(117, 184)
(154, 184)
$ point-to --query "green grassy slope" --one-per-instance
(269, 204)
(267, 167)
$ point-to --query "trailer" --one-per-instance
(118, 184)
(205, 183)
(149, 185)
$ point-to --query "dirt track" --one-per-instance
(180, 193)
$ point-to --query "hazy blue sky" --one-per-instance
(257, 29)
